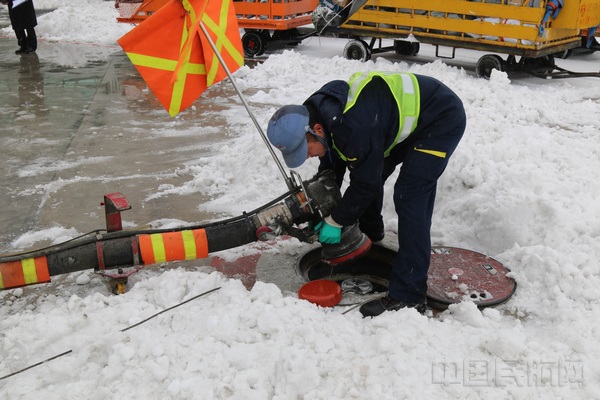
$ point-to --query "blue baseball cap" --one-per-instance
(287, 132)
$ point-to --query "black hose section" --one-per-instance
(219, 227)
(231, 235)
(113, 253)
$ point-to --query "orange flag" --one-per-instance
(173, 55)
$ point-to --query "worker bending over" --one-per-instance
(369, 125)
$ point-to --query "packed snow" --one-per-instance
(522, 188)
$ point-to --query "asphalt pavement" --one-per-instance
(74, 125)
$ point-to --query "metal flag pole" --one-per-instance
(287, 179)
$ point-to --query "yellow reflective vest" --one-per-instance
(405, 89)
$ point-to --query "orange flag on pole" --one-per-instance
(173, 55)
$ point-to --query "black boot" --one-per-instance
(31, 42)
(21, 40)
(375, 307)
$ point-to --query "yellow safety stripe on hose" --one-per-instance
(29, 273)
(158, 247)
(189, 246)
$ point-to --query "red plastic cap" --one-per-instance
(322, 292)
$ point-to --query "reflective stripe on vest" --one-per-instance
(405, 89)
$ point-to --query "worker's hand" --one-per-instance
(330, 232)
(314, 228)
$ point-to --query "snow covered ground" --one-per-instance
(522, 187)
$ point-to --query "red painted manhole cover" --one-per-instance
(457, 275)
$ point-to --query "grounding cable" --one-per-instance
(122, 330)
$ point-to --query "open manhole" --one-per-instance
(455, 275)
(372, 269)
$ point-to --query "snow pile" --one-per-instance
(521, 188)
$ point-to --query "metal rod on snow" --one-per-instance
(288, 180)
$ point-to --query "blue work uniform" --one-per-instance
(358, 141)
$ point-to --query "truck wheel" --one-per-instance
(254, 44)
(487, 63)
(357, 50)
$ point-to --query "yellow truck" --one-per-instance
(534, 30)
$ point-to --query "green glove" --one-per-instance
(312, 227)
(329, 234)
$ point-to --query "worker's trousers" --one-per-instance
(424, 158)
